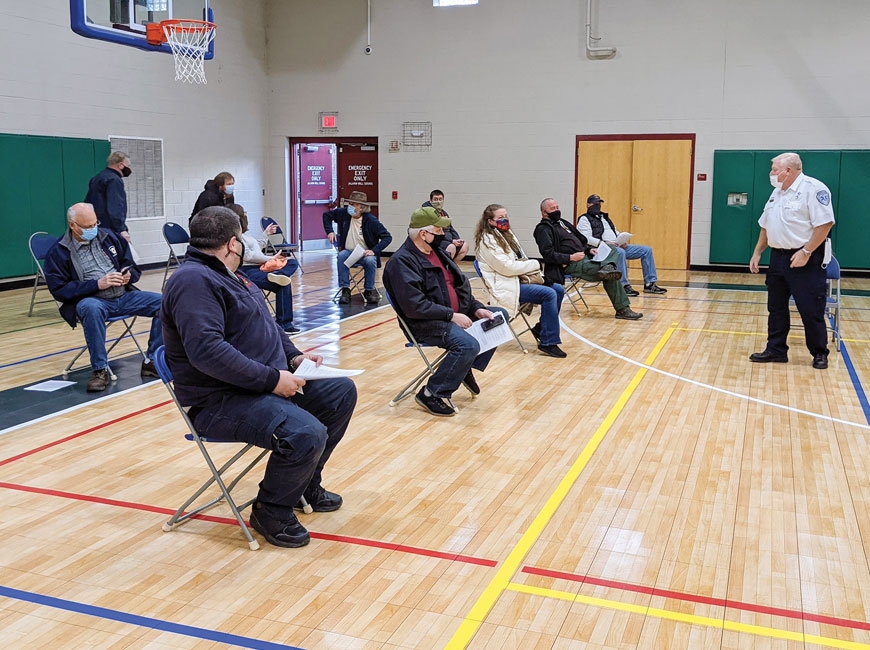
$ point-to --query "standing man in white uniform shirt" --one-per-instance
(795, 223)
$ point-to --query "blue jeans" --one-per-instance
(369, 264)
(283, 295)
(463, 354)
(550, 300)
(94, 312)
(301, 432)
(637, 252)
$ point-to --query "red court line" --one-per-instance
(359, 541)
(347, 336)
(695, 598)
(82, 433)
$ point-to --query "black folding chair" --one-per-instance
(174, 235)
(277, 242)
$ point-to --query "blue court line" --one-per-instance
(853, 375)
(54, 354)
(142, 621)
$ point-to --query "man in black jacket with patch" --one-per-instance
(565, 250)
(106, 192)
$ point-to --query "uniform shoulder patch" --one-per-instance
(823, 197)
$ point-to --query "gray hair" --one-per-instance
(549, 198)
(75, 209)
(789, 159)
(116, 157)
(413, 232)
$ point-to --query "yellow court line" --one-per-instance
(690, 619)
(472, 622)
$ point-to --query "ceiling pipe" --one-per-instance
(592, 50)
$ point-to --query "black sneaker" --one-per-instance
(288, 533)
(321, 500)
(652, 287)
(627, 314)
(435, 405)
(630, 291)
(536, 331)
(99, 381)
(371, 297)
(609, 272)
(471, 384)
(291, 329)
(344, 298)
(553, 351)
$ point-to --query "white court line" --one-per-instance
(710, 387)
(74, 408)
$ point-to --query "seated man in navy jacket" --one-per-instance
(433, 297)
(357, 226)
(91, 272)
(233, 365)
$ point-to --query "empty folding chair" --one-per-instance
(217, 473)
(174, 235)
(574, 287)
(832, 302)
(39, 244)
(277, 242)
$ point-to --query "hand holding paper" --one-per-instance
(623, 238)
(309, 370)
(355, 256)
(603, 252)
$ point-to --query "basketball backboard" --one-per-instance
(123, 21)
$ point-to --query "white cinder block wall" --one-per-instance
(507, 87)
(57, 83)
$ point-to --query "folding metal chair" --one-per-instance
(357, 278)
(525, 309)
(432, 364)
(277, 242)
(832, 302)
(127, 322)
(39, 244)
(575, 286)
(217, 474)
(174, 234)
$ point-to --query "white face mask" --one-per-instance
(777, 184)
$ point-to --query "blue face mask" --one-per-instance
(351, 210)
(90, 233)
(228, 189)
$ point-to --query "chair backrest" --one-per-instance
(161, 366)
(40, 243)
(173, 233)
(833, 270)
(276, 237)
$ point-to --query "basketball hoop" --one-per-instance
(189, 41)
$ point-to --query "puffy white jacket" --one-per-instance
(500, 271)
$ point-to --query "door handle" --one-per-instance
(636, 208)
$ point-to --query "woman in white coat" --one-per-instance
(503, 265)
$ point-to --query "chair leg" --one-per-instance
(413, 386)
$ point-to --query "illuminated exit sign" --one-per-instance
(328, 122)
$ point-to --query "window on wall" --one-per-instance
(452, 3)
(145, 185)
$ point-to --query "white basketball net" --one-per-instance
(189, 40)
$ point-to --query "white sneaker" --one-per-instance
(278, 278)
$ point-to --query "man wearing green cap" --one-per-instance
(432, 295)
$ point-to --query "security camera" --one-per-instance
(368, 49)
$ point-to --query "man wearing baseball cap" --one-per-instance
(596, 226)
(432, 295)
(357, 226)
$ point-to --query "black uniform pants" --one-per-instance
(808, 286)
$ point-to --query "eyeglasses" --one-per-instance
(87, 227)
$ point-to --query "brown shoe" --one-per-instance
(627, 314)
(148, 369)
(99, 381)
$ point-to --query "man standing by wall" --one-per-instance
(106, 192)
(795, 223)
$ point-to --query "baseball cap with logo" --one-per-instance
(428, 216)
(594, 198)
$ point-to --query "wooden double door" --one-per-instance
(646, 184)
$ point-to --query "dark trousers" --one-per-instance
(301, 432)
(807, 284)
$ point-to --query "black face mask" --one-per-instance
(555, 215)
(595, 208)
(242, 254)
(436, 240)
(126, 172)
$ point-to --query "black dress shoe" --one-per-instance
(536, 331)
(435, 405)
(288, 533)
(471, 384)
(291, 329)
(630, 291)
(768, 357)
(820, 361)
(553, 351)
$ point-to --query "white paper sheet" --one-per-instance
(309, 370)
(603, 252)
(50, 386)
(623, 238)
(490, 338)
(355, 256)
